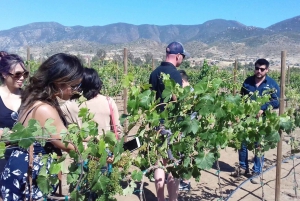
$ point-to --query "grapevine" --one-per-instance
(223, 120)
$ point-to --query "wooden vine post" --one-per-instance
(125, 58)
(234, 77)
(89, 61)
(153, 67)
(288, 82)
(28, 58)
(281, 111)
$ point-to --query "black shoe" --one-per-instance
(239, 171)
(255, 179)
(183, 186)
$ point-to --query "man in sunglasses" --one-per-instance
(175, 54)
(260, 82)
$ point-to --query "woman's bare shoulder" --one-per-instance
(45, 110)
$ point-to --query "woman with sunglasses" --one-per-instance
(57, 77)
(12, 75)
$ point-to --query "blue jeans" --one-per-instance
(243, 160)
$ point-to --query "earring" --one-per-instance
(61, 92)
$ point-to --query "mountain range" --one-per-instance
(215, 38)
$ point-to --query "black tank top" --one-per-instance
(6, 120)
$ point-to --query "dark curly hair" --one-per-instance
(58, 69)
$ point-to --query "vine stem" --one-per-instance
(162, 104)
(295, 180)
(219, 180)
(261, 176)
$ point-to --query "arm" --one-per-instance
(274, 99)
(45, 112)
(116, 118)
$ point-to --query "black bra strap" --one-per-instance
(28, 114)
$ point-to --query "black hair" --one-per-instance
(91, 83)
(261, 62)
(183, 74)
(9, 61)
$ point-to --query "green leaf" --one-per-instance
(2, 149)
(110, 138)
(194, 125)
(137, 175)
(43, 184)
(76, 195)
(205, 160)
(101, 149)
(55, 168)
(286, 124)
(50, 128)
(186, 162)
(200, 88)
(71, 178)
(83, 112)
(129, 189)
(27, 140)
(104, 181)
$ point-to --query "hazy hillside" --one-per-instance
(213, 39)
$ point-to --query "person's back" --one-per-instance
(156, 81)
(98, 104)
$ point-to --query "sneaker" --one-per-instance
(255, 179)
(183, 186)
(239, 171)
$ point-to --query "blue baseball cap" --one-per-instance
(176, 48)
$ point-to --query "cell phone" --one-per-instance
(132, 144)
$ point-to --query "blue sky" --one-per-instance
(260, 13)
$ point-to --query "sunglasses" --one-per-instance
(14, 116)
(183, 56)
(261, 69)
(76, 88)
(18, 75)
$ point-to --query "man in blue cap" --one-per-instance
(175, 54)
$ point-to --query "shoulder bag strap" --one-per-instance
(112, 119)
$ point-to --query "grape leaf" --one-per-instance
(137, 175)
(205, 160)
(43, 184)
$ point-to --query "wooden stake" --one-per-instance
(288, 84)
(153, 67)
(125, 93)
(281, 111)
(234, 77)
(28, 58)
